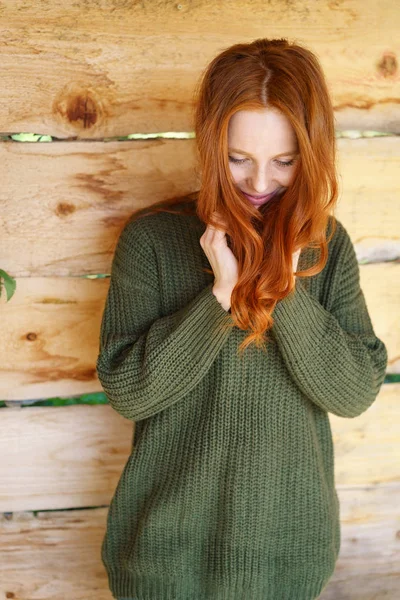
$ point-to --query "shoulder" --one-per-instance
(340, 244)
(160, 229)
(342, 264)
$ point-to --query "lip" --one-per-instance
(261, 199)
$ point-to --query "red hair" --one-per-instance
(287, 77)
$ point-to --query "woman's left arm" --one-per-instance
(334, 356)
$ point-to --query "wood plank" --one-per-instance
(62, 457)
(381, 286)
(77, 453)
(367, 448)
(87, 71)
(53, 327)
(78, 195)
(369, 204)
(368, 563)
(53, 555)
(367, 568)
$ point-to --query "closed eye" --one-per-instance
(236, 160)
(281, 163)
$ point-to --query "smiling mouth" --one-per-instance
(261, 198)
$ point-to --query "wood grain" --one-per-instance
(56, 554)
(50, 335)
(73, 456)
(63, 204)
(51, 330)
(94, 69)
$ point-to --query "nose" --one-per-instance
(260, 181)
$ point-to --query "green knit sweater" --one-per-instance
(228, 493)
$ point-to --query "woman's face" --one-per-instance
(262, 149)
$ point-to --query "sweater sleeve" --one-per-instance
(334, 356)
(147, 361)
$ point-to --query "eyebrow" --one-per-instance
(276, 156)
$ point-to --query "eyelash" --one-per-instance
(280, 162)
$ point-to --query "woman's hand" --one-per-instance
(222, 261)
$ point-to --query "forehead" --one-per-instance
(252, 129)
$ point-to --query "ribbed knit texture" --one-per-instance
(228, 493)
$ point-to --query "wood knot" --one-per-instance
(387, 66)
(64, 208)
(31, 336)
(79, 106)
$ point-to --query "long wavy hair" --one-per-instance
(253, 76)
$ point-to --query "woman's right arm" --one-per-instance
(146, 361)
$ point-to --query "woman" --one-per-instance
(229, 350)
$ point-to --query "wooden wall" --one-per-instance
(88, 72)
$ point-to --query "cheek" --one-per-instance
(236, 176)
(286, 177)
